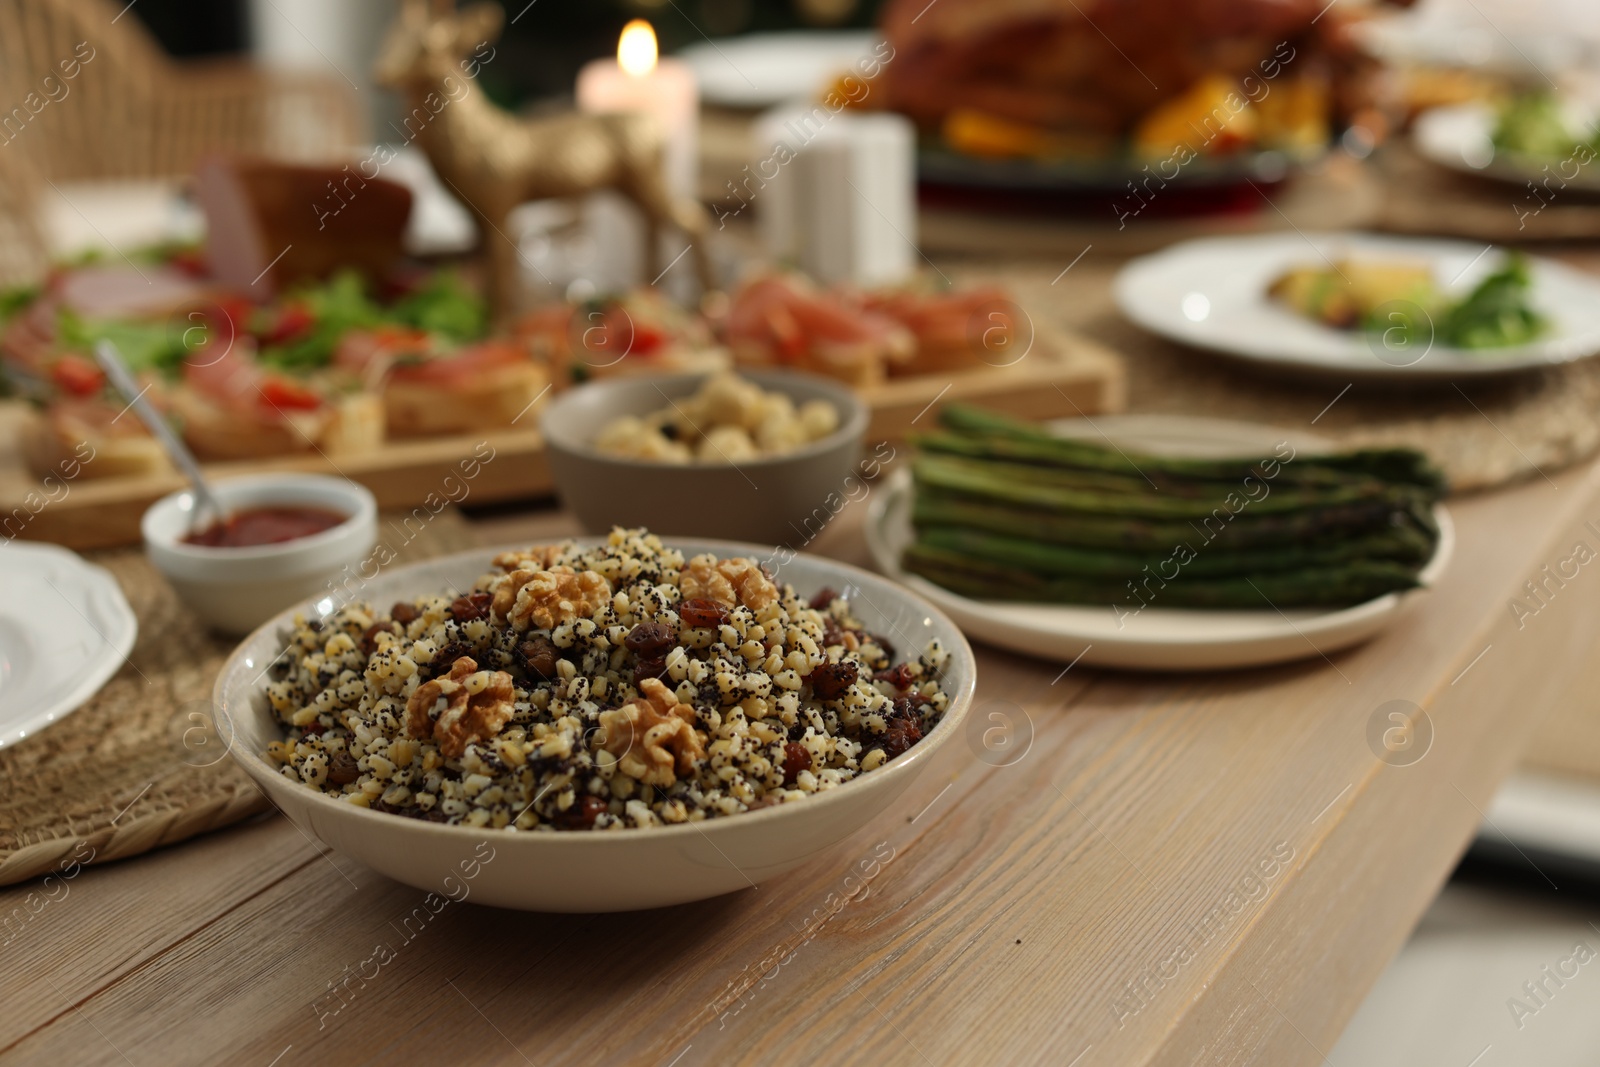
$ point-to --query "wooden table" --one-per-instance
(1141, 870)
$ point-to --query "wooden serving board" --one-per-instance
(1062, 375)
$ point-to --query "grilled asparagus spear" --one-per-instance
(1005, 510)
(1190, 558)
(1010, 438)
(1348, 583)
(937, 507)
(998, 481)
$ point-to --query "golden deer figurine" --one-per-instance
(494, 160)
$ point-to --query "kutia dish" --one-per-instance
(1176, 590)
(1215, 293)
(570, 712)
(65, 629)
(601, 687)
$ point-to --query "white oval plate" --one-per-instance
(65, 629)
(606, 871)
(1462, 139)
(764, 69)
(1212, 293)
(1156, 639)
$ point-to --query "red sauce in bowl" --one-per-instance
(248, 527)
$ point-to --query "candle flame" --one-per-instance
(636, 48)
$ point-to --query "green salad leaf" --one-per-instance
(445, 306)
(1532, 124)
(16, 299)
(336, 307)
(144, 345)
(1497, 313)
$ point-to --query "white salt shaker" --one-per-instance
(835, 192)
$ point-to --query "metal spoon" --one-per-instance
(110, 360)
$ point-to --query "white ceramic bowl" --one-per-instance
(237, 589)
(620, 870)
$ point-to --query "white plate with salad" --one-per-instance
(1353, 305)
(1535, 137)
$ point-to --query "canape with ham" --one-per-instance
(424, 390)
(642, 332)
(785, 320)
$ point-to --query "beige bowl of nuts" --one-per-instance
(753, 457)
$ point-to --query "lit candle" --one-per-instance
(664, 88)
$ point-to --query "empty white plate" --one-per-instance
(65, 628)
(1160, 639)
(1212, 293)
(763, 69)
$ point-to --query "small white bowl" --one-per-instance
(612, 870)
(237, 589)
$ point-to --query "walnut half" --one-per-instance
(545, 599)
(653, 736)
(477, 705)
(537, 558)
(727, 581)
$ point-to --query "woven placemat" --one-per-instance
(1425, 199)
(1484, 434)
(140, 765)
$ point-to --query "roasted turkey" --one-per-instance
(1097, 66)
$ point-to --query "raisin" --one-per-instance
(830, 680)
(903, 708)
(796, 758)
(901, 735)
(649, 667)
(537, 656)
(649, 640)
(825, 596)
(469, 607)
(898, 677)
(832, 634)
(701, 612)
(403, 613)
(369, 637)
(312, 729)
(446, 656)
(888, 649)
(581, 815)
(342, 769)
